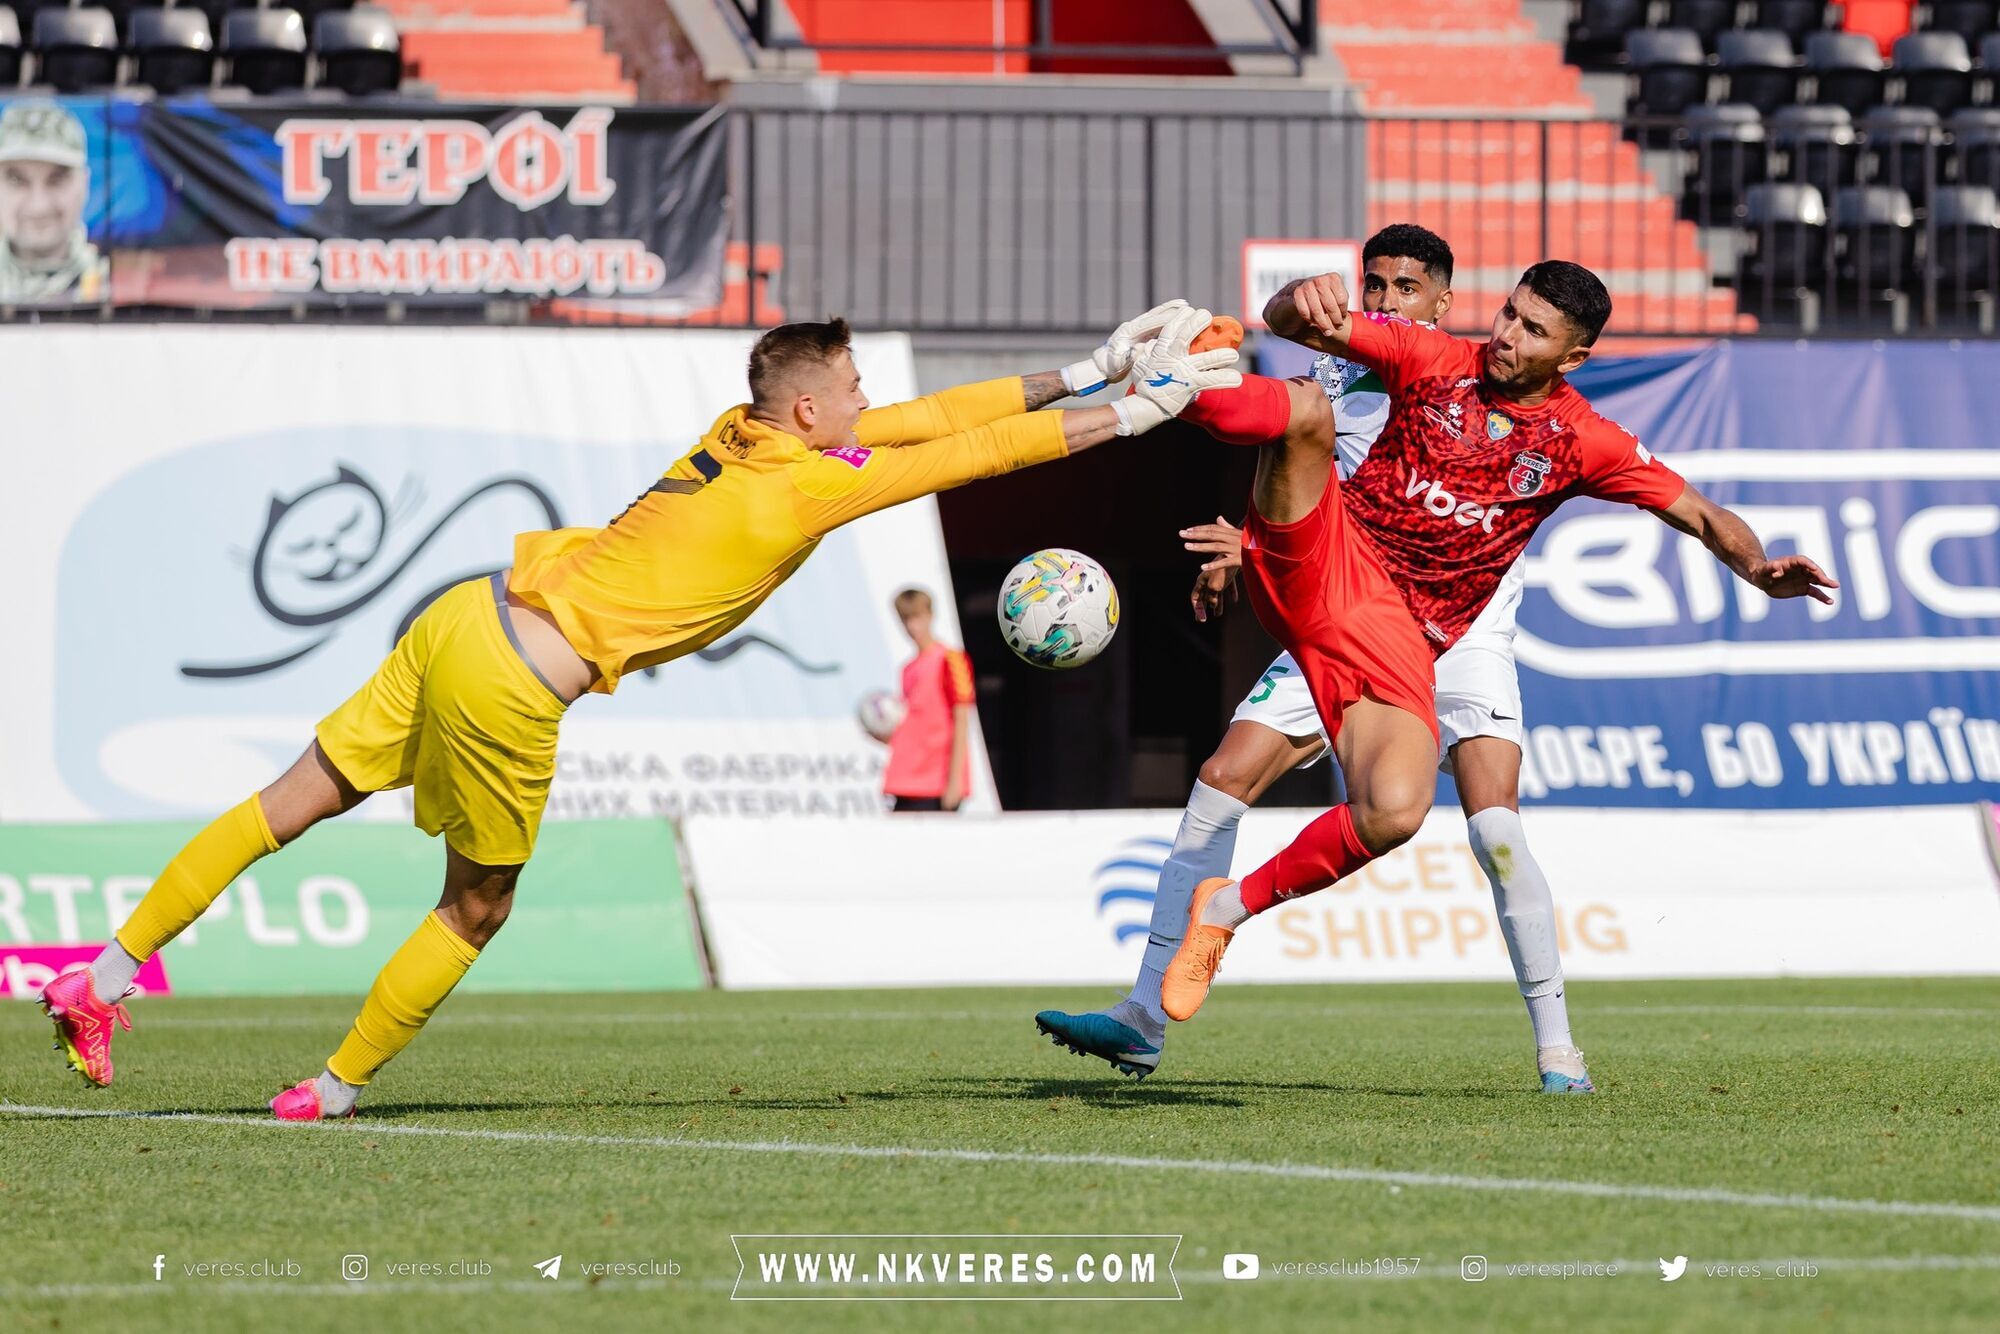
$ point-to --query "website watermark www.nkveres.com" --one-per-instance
(955, 1267)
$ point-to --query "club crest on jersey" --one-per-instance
(1525, 477)
(1499, 426)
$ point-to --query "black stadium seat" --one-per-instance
(1965, 252)
(1975, 146)
(1671, 69)
(1875, 245)
(1903, 148)
(266, 48)
(1597, 37)
(1794, 18)
(1727, 144)
(1784, 260)
(174, 49)
(1763, 69)
(1936, 70)
(1704, 18)
(1815, 146)
(1847, 69)
(10, 48)
(1970, 19)
(76, 49)
(360, 50)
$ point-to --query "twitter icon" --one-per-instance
(1673, 1269)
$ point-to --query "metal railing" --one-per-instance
(1292, 25)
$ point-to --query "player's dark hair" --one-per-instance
(790, 348)
(1573, 290)
(1406, 240)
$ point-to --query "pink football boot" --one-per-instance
(84, 1024)
(300, 1102)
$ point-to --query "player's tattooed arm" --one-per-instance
(1041, 389)
(1735, 545)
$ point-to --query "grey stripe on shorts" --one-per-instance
(507, 626)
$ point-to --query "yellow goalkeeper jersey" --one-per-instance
(693, 556)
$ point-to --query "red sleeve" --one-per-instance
(1617, 467)
(957, 678)
(1402, 351)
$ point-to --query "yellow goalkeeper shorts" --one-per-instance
(456, 711)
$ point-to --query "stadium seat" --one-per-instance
(1670, 69)
(1846, 69)
(1784, 260)
(10, 48)
(1903, 148)
(76, 49)
(1935, 69)
(359, 50)
(1975, 146)
(1794, 18)
(1965, 253)
(1875, 251)
(121, 13)
(1727, 146)
(1597, 36)
(1763, 69)
(266, 48)
(1815, 146)
(1704, 18)
(173, 49)
(1970, 19)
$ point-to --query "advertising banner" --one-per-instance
(213, 537)
(1653, 677)
(184, 201)
(601, 908)
(1065, 899)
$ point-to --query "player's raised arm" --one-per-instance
(1735, 545)
(844, 484)
(959, 409)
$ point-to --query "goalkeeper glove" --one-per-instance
(1169, 376)
(1113, 361)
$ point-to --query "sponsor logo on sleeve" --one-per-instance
(854, 456)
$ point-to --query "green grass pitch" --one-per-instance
(1852, 1123)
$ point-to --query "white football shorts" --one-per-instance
(1478, 688)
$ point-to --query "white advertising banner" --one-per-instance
(1065, 898)
(213, 536)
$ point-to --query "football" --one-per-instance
(1058, 609)
(880, 714)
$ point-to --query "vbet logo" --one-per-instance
(1673, 1269)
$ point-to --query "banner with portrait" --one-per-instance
(188, 202)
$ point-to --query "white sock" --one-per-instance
(111, 975)
(336, 1096)
(1226, 909)
(1527, 919)
(1203, 846)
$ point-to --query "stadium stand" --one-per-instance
(507, 51)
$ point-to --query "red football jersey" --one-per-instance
(1461, 477)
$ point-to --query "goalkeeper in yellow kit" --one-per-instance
(465, 709)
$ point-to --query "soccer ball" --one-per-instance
(880, 714)
(1058, 609)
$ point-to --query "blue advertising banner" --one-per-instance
(1652, 677)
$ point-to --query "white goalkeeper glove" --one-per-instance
(1167, 376)
(1113, 361)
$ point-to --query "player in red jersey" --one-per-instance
(1366, 581)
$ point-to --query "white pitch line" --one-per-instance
(1986, 1213)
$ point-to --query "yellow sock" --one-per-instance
(198, 873)
(410, 986)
